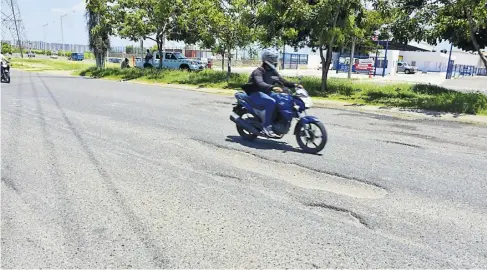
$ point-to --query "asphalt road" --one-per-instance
(102, 174)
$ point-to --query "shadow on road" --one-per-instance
(264, 144)
(430, 113)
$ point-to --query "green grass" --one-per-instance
(420, 96)
(44, 64)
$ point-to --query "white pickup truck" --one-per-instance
(172, 60)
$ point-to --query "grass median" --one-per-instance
(46, 64)
(419, 96)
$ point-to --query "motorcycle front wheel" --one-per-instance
(311, 137)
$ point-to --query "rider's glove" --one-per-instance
(277, 89)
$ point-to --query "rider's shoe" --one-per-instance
(269, 132)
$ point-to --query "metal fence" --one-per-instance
(293, 60)
(466, 70)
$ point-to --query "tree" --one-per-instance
(99, 29)
(6, 48)
(225, 26)
(150, 19)
(462, 22)
(320, 24)
(129, 49)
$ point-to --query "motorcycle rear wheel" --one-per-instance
(244, 133)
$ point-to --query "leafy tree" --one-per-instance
(461, 22)
(152, 19)
(224, 25)
(99, 26)
(129, 49)
(324, 25)
(6, 48)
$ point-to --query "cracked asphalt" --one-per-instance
(102, 174)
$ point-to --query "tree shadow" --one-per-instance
(265, 144)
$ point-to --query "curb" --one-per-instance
(404, 114)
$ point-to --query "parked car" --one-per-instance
(406, 68)
(54, 56)
(31, 54)
(77, 56)
(114, 60)
(171, 60)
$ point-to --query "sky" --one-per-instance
(36, 13)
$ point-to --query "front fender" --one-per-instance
(305, 120)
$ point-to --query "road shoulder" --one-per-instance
(400, 113)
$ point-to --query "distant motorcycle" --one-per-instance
(309, 130)
(5, 72)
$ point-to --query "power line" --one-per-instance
(12, 23)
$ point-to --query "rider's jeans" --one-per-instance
(266, 101)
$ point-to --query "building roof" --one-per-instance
(404, 47)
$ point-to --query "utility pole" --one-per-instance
(16, 28)
(352, 51)
(62, 34)
(44, 34)
(384, 67)
(449, 67)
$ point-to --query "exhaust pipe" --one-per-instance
(243, 124)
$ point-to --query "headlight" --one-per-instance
(308, 102)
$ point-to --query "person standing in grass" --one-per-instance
(125, 64)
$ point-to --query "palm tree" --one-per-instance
(99, 29)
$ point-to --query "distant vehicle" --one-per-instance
(31, 54)
(406, 68)
(114, 60)
(54, 56)
(172, 60)
(5, 72)
(77, 56)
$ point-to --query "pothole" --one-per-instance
(348, 213)
(293, 174)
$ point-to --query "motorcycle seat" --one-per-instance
(243, 96)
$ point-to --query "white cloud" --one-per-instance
(76, 8)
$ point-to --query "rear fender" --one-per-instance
(242, 103)
(305, 120)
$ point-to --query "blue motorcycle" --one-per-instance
(309, 130)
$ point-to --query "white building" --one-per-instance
(427, 61)
(392, 59)
(437, 61)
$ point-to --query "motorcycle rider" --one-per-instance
(3, 59)
(260, 86)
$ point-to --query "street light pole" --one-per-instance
(384, 66)
(62, 32)
(44, 34)
(449, 70)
